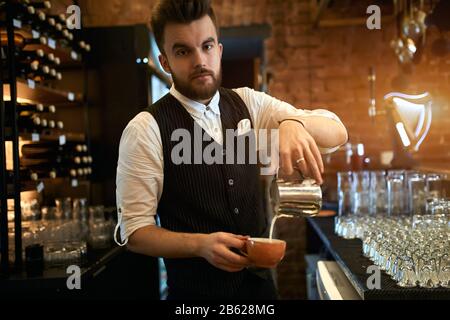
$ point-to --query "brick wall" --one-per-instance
(325, 67)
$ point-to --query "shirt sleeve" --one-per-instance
(139, 179)
(267, 112)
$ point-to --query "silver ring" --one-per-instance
(299, 160)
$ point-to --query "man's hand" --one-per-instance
(299, 150)
(215, 248)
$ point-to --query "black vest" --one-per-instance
(207, 198)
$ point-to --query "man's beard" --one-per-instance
(204, 92)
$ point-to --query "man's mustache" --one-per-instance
(202, 72)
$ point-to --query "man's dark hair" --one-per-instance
(179, 11)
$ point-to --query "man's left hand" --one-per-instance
(299, 150)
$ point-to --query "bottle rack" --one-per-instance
(16, 89)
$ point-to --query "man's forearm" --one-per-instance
(327, 133)
(158, 242)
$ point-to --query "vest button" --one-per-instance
(231, 182)
(236, 210)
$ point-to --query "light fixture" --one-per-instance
(411, 26)
(403, 135)
(411, 115)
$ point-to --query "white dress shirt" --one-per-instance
(139, 181)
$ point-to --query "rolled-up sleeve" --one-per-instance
(139, 175)
(268, 112)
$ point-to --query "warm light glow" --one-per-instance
(406, 96)
(360, 149)
(427, 128)
(407, 104)
(19, 100)
(9, 152)
(411, 46)
(402, 132)
(416, 116)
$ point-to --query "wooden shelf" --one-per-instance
(40, 185)
(66, 55)
(43, 94)
(49, 135)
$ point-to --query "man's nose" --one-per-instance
(199, 59)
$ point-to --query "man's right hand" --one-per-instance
(215, 248)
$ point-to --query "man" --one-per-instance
(206, 211)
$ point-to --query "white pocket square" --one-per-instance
(244, 126)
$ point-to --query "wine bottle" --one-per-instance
(37, 108)
(29, 123)
(44, 123)
(55, 75)
(54, 156)
(33, 70)
(60, 172)
(51, 149)
(52, 170)
(60, 18)
(25, 174)
(64, 172)
(35, 18)
(56, 30)
(25, 68)
(30, 55)
(38, 4)
(24, 13)
(20, 41)
(56, 161)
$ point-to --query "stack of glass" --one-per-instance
(413, 251)
(403, 219)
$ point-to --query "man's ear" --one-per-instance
(164, 63)
(220, 50)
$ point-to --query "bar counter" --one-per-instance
(105, 273)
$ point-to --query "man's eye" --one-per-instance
(208, 47)
(181, 52)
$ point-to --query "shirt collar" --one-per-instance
(195, 108)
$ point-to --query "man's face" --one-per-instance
(192, 55)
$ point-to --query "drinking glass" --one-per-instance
(80, 209)
(434, 185)
(344, 184)
(63, 208)
(396, 193)
(416, 193)
(378, 194)
(361, 192)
